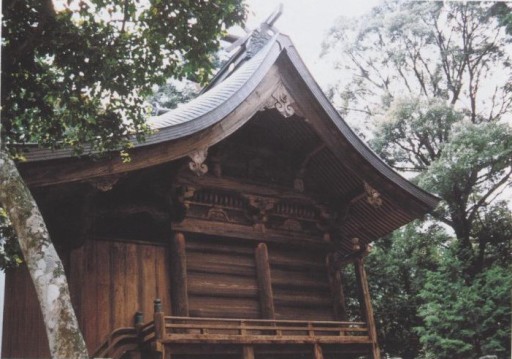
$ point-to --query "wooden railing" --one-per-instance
(186, 329)
(168, 330)
(118, 342)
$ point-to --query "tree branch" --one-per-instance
(482, 200)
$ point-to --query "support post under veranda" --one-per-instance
(366, 305)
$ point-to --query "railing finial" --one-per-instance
(157, 305)
(139, 318)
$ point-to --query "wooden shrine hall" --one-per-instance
(237, 230)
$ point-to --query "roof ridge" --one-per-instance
(248, 46)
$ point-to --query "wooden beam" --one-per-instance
(243, 232)
(264, 282)
(366, 305)
(263, 339)
(179, 290)
(69, 169)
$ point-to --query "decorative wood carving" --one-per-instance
(291, 225)
(232, 204)
(281, 101)
(105, 183)
(197, 165)
(258, 210)
(218, 214)
(373, 197)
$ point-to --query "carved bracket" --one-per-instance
(197, 165)
(373, 197)
(259, 208)
(281, 101)
(105, 183)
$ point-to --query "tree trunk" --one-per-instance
(45, 267)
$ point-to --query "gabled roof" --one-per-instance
(270, 76)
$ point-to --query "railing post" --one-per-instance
(242, 328)
(138, 321)
(311, 330)
(159, 319)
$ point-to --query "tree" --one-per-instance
(407, 257)
(171, 94)
(76, 73)
(431, 82)
(466, 321)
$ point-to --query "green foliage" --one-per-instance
(406, 257)
(476, 160)
(431, 81)
(446, 51)
(77, 73)
(464, 320)
(414, 133)
(171, 94)
(503, 12)
(10, 255)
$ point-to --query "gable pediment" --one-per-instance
(276, 127)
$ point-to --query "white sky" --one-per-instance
(307, 23)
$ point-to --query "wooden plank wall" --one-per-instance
(24, 335)
(112, 280)
(221, 278)
(300, 284)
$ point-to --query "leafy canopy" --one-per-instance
(77, 72)
(429, 83)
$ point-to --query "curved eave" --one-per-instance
(202, 112)
(429, 200)
(222, 101)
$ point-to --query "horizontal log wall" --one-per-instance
(221, 278)
(300, 284)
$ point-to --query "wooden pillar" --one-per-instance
(337, 294)
(318, 353)
(248, 352)
(179, 291)
(264, 282)
(366, 305)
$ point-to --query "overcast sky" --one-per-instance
(307, 22)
